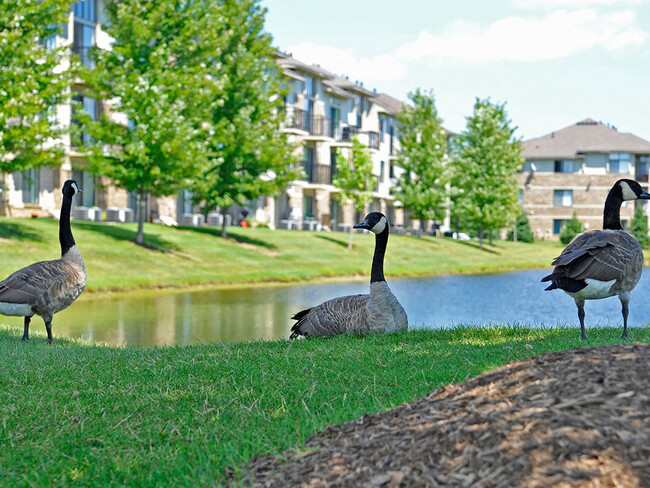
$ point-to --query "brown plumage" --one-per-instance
(47, 287)
(602, 263)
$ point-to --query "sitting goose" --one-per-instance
(47, 287)
(602, 263)
(379, 311)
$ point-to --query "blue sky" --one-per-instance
(554, 62)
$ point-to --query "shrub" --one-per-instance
(572, 228)
(524, 232)
(639, 226)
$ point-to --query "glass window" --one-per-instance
(643, 168)
(309, 86)
(563, 198)
(558, 224)
(619, 163)
(566, 166)
(86, 181)
(31, 185)
(308, 205)
(382, 171)
(85, 9)
(83, 40)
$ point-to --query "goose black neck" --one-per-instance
(612, 212)
(377, 272)
(65, 234)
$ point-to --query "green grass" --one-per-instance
(85, 415)
(185, 257)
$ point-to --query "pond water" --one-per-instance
(239, 314)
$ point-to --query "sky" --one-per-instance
(552, 62)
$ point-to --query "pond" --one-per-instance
(240, 314)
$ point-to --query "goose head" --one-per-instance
(70, 188)
(630, 190)
(375, 222)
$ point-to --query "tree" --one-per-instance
(248, 153)
(422, 155)
(524, 232)
(487, 157)
(353, 178)
(35, 77)
(571, 229)
(154, 80)
(639, 226)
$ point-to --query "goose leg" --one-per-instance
(581, 315)
(26, 329)
(625, 309)
(48, 326)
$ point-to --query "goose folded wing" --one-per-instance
(34, 284)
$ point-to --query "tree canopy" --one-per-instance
(487, 157)
(423, 156)
(35, 76)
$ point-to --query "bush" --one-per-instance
(524, 232)
(572, 228)
(639, 226)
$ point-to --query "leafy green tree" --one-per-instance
(153, 78)
(35, 77)
(248, 154)
(353, 178)
(571, 229)
(423, 155)
(524, 232)
(639, 226)
(486, 157)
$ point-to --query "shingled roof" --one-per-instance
(586, 136)
(392, 105)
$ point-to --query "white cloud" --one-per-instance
(558, 34)
(553, 4)
(383, 67)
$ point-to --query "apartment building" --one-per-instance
(38, 192)
(324, 112)
(571, 171)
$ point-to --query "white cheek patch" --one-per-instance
(76, 188)
(379, 226)
(628, 193)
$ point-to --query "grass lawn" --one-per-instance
(185, 257)
(85, 415)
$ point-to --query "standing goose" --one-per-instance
(47, 287)
(602, 263)
(379, 311)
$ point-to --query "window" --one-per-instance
(308, 205)
(31, 185)
(391, 171)
(382, 171)
(566, 166)
(643, 168)
(184, 204)
(563, 198)
(86, 182)
(85, 9)
(619, 163)
(89, 104)
(83, 40)
(309, 86)
(558, 224)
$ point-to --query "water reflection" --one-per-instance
(242, 314)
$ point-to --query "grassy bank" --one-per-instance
(84, 415)
(183, 257)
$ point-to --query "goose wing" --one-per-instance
(37, 284)
(337, 316)
(599, 255)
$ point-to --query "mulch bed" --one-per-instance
(571, 418)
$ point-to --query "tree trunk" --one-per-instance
(350, 240)
(224, 231)
(514, 232)
(490, 237)
(141, 208)
(480, 236)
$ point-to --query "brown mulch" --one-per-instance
(572, 418)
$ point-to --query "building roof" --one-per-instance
(392, 105)
(346, 84)
(586, 136)
(289, 63)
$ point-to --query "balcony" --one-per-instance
(315, 125)
(345, 133)
(317, 173)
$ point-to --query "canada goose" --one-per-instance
(47, 287)
(379, 311)
(602, 263)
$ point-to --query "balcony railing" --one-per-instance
(317, 173)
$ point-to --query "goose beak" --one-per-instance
(644, 195)
(362, 225)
